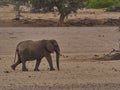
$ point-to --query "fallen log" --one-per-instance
(113, 55)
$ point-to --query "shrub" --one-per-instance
(102, 3)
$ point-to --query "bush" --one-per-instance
(4, 2)
(102, 3)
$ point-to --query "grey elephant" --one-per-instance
(35, 50)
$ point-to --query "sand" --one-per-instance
(78, 71)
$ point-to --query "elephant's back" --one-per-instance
(24, 44)
(30, 46)
(29, 49)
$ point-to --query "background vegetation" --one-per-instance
(64, 7)
(102, 3)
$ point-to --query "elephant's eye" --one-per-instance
(55, 44)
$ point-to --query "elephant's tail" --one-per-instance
(15, 55)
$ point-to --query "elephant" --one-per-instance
(29, 50)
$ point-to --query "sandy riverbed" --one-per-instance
(78, 71)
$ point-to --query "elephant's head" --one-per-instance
(52, 46)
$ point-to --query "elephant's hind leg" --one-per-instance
(14, 65)
(24, 66)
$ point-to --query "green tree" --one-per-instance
(65, 7)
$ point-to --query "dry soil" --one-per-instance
(78, 71)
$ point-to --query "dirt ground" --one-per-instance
(78, 71)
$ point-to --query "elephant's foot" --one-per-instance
(13, 67)
(52, 69)
(24, 69)
(36, 70)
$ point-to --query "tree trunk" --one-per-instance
(61, 20)
(18, 14)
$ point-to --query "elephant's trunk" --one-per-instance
(57, 59)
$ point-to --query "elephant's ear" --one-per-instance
(50, 47)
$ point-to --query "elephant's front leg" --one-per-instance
(37, 65)
(49, 59)
(24, 66)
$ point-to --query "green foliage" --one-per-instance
(62, 5)
(20, 1)
(42, 4)
(102, 3)
(4, 2)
